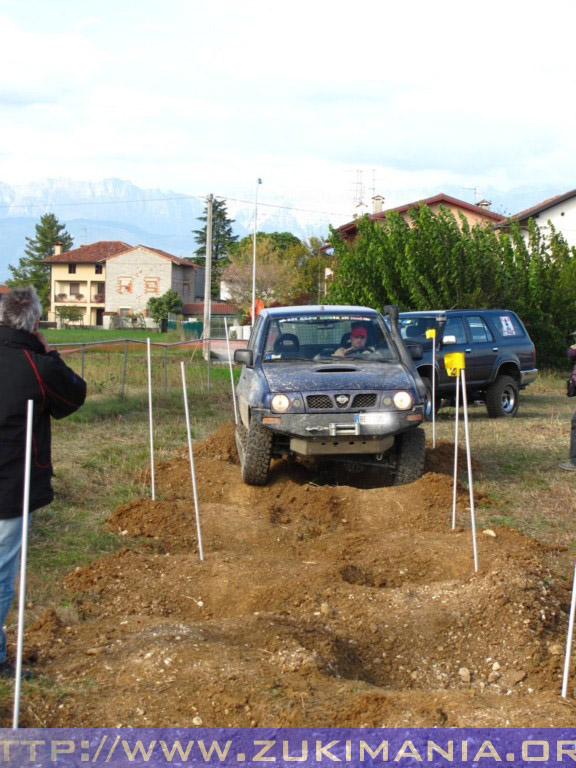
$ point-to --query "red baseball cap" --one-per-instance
(359, 330)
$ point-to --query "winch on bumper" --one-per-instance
(332, 433)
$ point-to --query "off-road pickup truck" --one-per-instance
(499, 355)
(330, 383)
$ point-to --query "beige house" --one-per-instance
(475, 214)
(114, 278)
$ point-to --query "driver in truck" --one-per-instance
(358, 337)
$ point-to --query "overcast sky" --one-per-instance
(197, 97)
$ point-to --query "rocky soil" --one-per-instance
(321, 601)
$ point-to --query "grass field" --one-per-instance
(88, 335)
(518, 473)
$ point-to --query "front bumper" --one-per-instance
(340, 425)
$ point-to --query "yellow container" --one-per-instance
(454, 362)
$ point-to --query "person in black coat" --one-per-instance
(28, 371)
(570, 465)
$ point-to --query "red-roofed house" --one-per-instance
(476, 214)
(112, 277)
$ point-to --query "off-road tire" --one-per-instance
(257, 454)
(428, 404)
(410, 455)
(502, 398)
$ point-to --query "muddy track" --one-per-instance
(316, 605)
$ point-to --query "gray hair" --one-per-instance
(21, 309)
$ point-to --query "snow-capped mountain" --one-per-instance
(114, 209)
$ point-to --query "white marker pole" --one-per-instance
(231, 372)
(23, 558)
(568, 654)
(455, 452)
(469, 462)
(150, 421)
(191, 455)
(434, 392)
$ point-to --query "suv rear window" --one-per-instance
(508, 325)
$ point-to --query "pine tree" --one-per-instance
(223, 241)
(30, 269)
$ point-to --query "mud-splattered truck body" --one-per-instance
(306, 389)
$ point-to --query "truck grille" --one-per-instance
(319, 401)
(365, 400)
(328, 402)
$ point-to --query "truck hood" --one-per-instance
(322, 377)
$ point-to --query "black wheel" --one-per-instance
(428, 406)
(410, 455)
(257, 454)
(502, 398)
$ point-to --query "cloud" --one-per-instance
(10, 98)
(196, 96)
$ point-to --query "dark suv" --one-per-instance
(330, 382)
(500, 357)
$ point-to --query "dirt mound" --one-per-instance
(220, 445)
(316, 604)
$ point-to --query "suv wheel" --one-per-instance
(257, 454)
(502, 398)
(428, 405)
(410, 455)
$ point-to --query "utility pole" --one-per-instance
(208, 277)
(254, 254)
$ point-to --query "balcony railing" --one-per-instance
(75, 298)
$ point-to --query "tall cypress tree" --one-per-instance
(30, 269)
(223, 241)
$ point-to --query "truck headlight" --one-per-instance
(403, 401)
(280, 403)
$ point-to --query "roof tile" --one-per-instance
(90, 254)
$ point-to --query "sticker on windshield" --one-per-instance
(325, 319)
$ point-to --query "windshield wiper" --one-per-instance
(288, 360)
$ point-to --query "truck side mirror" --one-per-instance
(244, 356)
(416, 350)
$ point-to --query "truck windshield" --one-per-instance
(327, 337)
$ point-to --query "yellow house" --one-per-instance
(78, 278)
(111, 278)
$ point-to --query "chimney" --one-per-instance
(377, 203)
(484, 204)
(57, 249)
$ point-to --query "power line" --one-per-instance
(285, 207)
(106, 202)
(170, 199)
